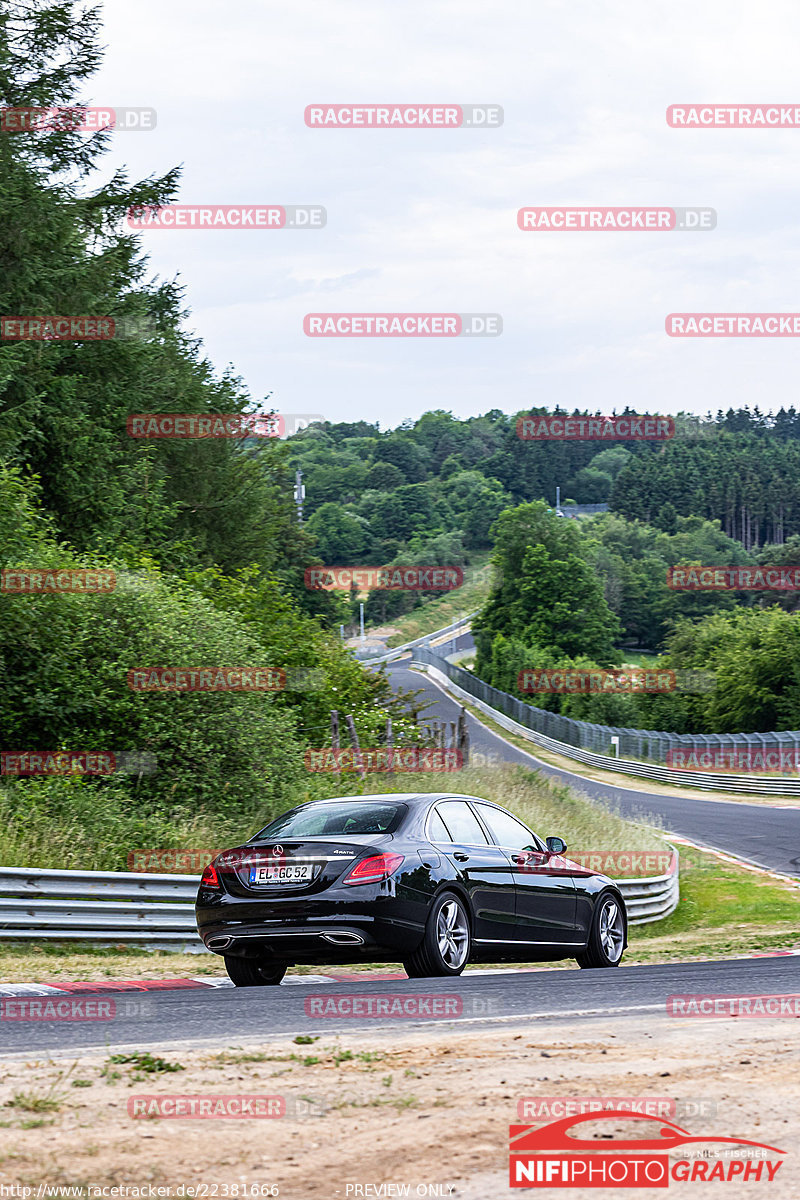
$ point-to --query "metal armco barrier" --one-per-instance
(420, 641)
(97, 906)
(156, 910)
(654, 898)
(532, 722)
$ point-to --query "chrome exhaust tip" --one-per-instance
(345, 938)
(219, 943)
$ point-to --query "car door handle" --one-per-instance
(518, 858)
(461, 857)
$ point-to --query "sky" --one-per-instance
(426, 220)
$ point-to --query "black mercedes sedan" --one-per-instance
(432, 880)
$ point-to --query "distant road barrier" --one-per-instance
(420, 641)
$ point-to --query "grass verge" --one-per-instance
(725, 910)
(444, 610)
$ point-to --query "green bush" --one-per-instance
(63, 667)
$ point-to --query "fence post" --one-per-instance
(463, 736)
(335, 739)
(351, 725)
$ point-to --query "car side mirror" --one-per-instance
(556, 845)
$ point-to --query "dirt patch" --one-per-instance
(414, 1109)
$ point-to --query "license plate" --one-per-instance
(289, 873)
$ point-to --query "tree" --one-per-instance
(342, 537)
(476, 503)
(403, 512)
(384, 477)
(755, 655)
(547, 594)
(404, 453)
(591, 486)
(667, 518)
(64, 404)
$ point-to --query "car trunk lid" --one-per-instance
(293, 865)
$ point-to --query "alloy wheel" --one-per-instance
(452, 934)
(612, 929)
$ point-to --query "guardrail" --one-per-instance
(653, 898)
(158, 910)
(420, 641)
(97, 906)
(473, 690)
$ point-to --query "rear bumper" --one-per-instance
(324, 937)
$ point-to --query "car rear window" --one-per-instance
(334, 818)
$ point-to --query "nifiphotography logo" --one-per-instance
(556, 1155)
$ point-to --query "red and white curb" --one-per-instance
(136, 985)
(209, 981)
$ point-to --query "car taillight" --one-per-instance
(209, 878)
(372, 870)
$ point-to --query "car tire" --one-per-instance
(253, 972)
(607, 936)
(446, 943)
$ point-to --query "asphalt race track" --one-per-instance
(764, 835)
(225, 1015)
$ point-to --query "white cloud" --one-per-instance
(427, 220)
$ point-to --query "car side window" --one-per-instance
(437, 828)
(463, 824)
(507, 830)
